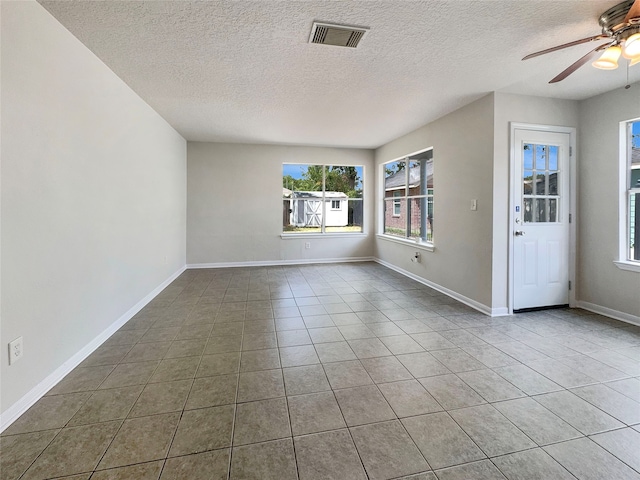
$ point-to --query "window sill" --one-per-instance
(293, 236)
(429, 247)
(627, 265)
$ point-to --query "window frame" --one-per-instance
(626, 190)
(404, 197)
(325, 200)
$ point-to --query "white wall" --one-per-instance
(93, 197)
(600, 282)
(521, 109)
(463, 167)
(234, 205)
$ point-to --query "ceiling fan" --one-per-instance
(621, 32)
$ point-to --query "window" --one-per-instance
(322, 198)
(630, 194)
(397, 203)
(540, 195)
(408, 197)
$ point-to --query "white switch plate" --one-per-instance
(474, 204)
(307, 245)
(15, 350)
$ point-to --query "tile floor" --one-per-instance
(347, 371)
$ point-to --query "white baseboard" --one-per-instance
(609, 312)
(275, 263)
(455, 295)
(12, 413)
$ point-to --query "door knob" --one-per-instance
(519, 233)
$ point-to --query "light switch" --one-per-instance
(474, 204)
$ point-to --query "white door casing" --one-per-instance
(541, 208)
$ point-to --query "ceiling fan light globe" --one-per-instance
(631, 48)
(634, 61)
(609, 58)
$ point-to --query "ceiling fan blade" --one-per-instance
(567, 45)
(634, 11)
(576, 65)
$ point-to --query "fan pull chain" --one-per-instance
(627, 86)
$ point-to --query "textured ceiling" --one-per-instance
(243, 71)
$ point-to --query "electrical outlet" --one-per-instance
(15, 350)
(307, 245)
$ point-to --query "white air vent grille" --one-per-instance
(338, 35)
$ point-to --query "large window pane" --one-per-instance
(322, 198)
(408, 197)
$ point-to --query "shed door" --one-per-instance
(313, 213)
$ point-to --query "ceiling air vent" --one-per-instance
(338, 35)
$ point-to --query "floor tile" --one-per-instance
(561, 374)
(212, 465)
(491, 386)
(408, 398)
(260, 385)
(369, 348)
(291, 338)
(80, 448)
(219, 364)
(385, 369)
(141, 440)
(261, 421)
(127, 374)
(490, 356)
(527, 380)
(82, 379)
(298, 356)
(273, 460)
(355, 332)
(307, 379)
(451, 392)
(432, 341)
(334, 352)
(578, 413)
(534, 464)
(314, 412)
(385, 329)
(259, 341)
(482, 470)
(400, 344)
(105, 405)
(48, 413)
(226, 344)
(106, 355)
(491, 431)
(328, 455)
(456, 360)
(442, 442)
(538, 423)
(19, 451)
(361, 405)
(588, 461)
(623, 443)
(347, 374)
(186, 348)
(203, 429)
(423, 364)
(608, 400)
(325, 335)
(629, 387)
(256, 360)
(162, 398)
(318, 321)
(141, 471)
(144, 352)
(212, 391)
(387, 451)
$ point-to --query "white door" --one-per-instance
(541, 219)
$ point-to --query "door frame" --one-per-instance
(572, 198)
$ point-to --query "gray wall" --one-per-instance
(93, 197)
(234, 205)
(600, 282)
(463, 167)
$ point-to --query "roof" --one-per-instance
(318, 195)
(398, 179)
